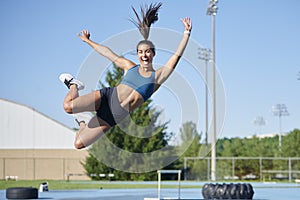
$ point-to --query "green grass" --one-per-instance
(64, 185)
(76, 185)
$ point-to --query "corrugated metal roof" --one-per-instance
(22, 127)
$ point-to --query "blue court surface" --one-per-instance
(262, 191)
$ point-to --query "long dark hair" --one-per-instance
(149, 15)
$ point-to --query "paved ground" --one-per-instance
(106, 194)
(274, 192)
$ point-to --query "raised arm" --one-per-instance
(164, 72)
(105, 51)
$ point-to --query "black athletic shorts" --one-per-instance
(110, 109)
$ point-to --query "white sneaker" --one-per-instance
(69, 80)
(82, 117)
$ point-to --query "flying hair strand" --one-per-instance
(148, 16)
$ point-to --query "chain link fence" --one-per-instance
(243, 168)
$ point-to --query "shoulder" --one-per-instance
(128, 64)
(134, 66)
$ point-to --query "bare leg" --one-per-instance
(74, 103)
(89, 133)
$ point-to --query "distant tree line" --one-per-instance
(260, 147)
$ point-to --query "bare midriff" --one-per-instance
(129, 98)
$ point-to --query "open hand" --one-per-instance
(187, 23)
(84, 35)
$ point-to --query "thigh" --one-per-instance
(88, 102)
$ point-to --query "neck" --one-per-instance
(146, 68)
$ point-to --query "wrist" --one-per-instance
(86, 40)
(188, 32)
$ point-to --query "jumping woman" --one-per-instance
(140, 81)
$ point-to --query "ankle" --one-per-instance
(81, 124)
(73, 86)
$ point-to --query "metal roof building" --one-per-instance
(22, 127)
(31, 142)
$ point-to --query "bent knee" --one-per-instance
(78, 144)
(68, 108)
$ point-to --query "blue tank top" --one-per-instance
(144, 86)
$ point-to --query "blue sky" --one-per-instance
(257, 44)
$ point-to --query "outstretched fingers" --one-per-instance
(187, 23)
(84, 35)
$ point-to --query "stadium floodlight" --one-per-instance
(259, 121)
(280, 110)
(212, 8)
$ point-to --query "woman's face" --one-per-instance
(145, 54)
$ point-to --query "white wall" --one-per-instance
(22, 127)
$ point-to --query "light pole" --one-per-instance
(259, 121)
(212, 10)
(205, 54)
(280, 110)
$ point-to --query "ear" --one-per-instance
(153, 51)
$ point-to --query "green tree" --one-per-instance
(290, 144)
(190, 139)
(190, 144)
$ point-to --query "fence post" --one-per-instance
(4, 168)
(184, 167)
(290, 170)
(208, 168)
(260, 168)
(34, 169)
(233, 166)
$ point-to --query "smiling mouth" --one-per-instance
(145, 60)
